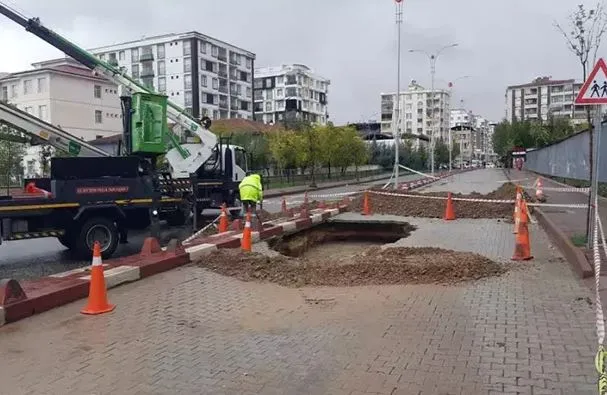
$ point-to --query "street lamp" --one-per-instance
(432, 57)
(396, 121)
(451, 84)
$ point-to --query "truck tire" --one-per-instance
(99, 229)
(177, 218)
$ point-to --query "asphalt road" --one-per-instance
(28, 259)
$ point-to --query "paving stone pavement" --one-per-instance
(480, 180)
(190, 331)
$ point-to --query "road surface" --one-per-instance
(40, 257)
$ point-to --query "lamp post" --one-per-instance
(451, 84)
(396, 128)
(432, 57)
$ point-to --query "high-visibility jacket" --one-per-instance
(250, 188)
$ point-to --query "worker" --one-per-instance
(251, 193)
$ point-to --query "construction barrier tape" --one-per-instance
(195, 235)
(599, 359)
(560, 189)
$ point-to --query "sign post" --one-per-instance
(594, 93)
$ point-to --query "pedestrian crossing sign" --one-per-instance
(594, 90)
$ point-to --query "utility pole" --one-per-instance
(432, 57)
(396, 122)
(451, 84)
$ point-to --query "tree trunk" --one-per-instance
(590, 158)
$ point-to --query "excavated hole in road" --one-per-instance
(339, 241)
(349, 254)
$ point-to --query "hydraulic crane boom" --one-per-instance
(184, 159)
(42, 132)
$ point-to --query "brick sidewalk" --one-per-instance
(190, 331)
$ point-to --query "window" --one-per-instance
(112, 58)
(29, 110)
(240, 157)
(248, 91)
(280, 80)
(290, 92)
(210, 99)
(162, 84)
(244, 76)
(187, 48)
(215, 83)
(258, 95)
(135, 72)
(203, 47)
(98, 116)
(258, 84)
(249, 63)
(97, 91)
(268, 106)
(121, 55)
(27, 87)
(160, 51)
(161, 67)
(203, 80)
(269, 94)
(209, 66)
(214, 51)
(239, 90)
(187, 65)
(43, 112)
(13, 91)
(279, 92)
(187, 81)
(187, 97)
(41, 85)
(4, 95)
(134, 55)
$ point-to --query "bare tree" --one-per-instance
(583, 34)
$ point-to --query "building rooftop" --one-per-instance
(65, 69)
(270, 71)
(170, 36)
(543, 81)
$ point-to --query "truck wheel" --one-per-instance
(177, 218)
(99, 229)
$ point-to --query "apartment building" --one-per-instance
(543, 98)
(473, 133)
(204, 75)
(420, 112)
(65, 94)
(290, 91)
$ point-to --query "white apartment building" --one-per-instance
(417, 107)
(65, 94)
(206, 76)
(542, 98)
(292, 90)
(473, 133)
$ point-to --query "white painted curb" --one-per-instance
(316, 218)
(2, 319)
(119, 275)
(200, 250)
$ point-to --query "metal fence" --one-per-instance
(569, 158)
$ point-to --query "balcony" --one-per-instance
(222, 73)
(148, 56)
(223, 89)
(223, 104)
(146, 73)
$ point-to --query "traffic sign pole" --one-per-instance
(594, 175)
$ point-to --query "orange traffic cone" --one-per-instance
(366, 206)
(522, 247)
(517, 209)
(283, 206)
(449, 211)
(97, 302)
(539, 190)
(245, 242)
(223, 220)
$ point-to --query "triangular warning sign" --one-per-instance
(594, 90)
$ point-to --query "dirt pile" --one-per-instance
(435, 208)
(375, 266)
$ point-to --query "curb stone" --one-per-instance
(58, 289)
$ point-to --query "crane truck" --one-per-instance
(93, 196)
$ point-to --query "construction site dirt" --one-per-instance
(435, 208)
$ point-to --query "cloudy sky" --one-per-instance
(352, 42)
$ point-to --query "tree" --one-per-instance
(45, 153)
(441, 152)
(11, 158)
